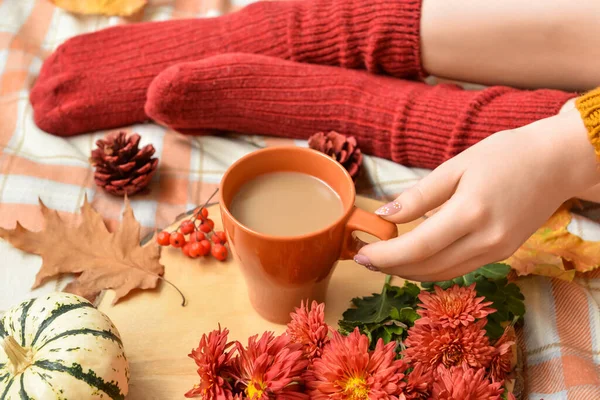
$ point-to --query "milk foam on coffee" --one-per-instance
(286, 204)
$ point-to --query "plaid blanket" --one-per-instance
(561, 335)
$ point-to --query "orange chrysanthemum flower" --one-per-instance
(502, 359)
(347, 370)
(464, 383)
(214, 367)
(271, 367)
(309, 329)
(435, 345)
(418, 383)
(452, 307)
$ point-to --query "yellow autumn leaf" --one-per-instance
(122, 8)
(553, 251)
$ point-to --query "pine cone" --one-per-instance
(121, 167)
(341, 148)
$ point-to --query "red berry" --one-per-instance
(222, 236)
(187, 227)
(205, 244)
(164, 238)
(204, 213)
(204, 227)
(195, 249)
(197, 236)
(219, 252)
(177, 239)
(186, 249)
(215, 239)
(210, 223)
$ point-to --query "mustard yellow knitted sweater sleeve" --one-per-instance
(589, 108)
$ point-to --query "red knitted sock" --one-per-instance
(409, 122)
(99, 80)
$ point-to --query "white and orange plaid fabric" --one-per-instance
(561, 336)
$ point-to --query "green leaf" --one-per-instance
(515, 306)
(494, 271)
(490, 271)
(386, 335)
(486, 288)
(371, 309)
(469, 278)
(507, 301)
(502, 313)
(385, 316)
(378, 307)
(408, 315)
(396, 330)
(410, 289)
(345, 327)
(513, 290)
(494, 329)
(443, 284)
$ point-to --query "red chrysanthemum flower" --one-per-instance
(347, 370)
(452, 307)
(214, 367)
(464, 383)
(435, 345)
(309, 329)
(502, 359)
(271, 367)
(418, 383)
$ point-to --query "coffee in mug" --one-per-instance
(286, 204)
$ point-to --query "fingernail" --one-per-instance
(365, 262)
(389, 209)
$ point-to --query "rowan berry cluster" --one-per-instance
(201, 239)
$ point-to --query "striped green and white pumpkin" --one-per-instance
(60, 347)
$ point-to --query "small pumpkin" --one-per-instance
(60, 347)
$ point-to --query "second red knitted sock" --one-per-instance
(408, 122)
(99, 80)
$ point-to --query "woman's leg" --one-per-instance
(528, 44)
(99, 80)
(408, 122)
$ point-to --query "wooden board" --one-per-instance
(158, 333)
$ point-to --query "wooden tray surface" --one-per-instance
(158, 333)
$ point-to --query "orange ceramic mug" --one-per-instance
(281, 271)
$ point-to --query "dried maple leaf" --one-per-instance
(103, 259)
(123, 8)
(554, 251)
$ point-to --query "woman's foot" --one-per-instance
(409, 122)
(99, 80)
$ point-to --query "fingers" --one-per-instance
(459, 258)
(427, 239)
(455, 260)
(568, 106)
(420, 274)
(431, 192)
(592, 194)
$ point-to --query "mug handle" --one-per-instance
(372, 224)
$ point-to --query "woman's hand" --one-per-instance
(592, 194)
(493, 196)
